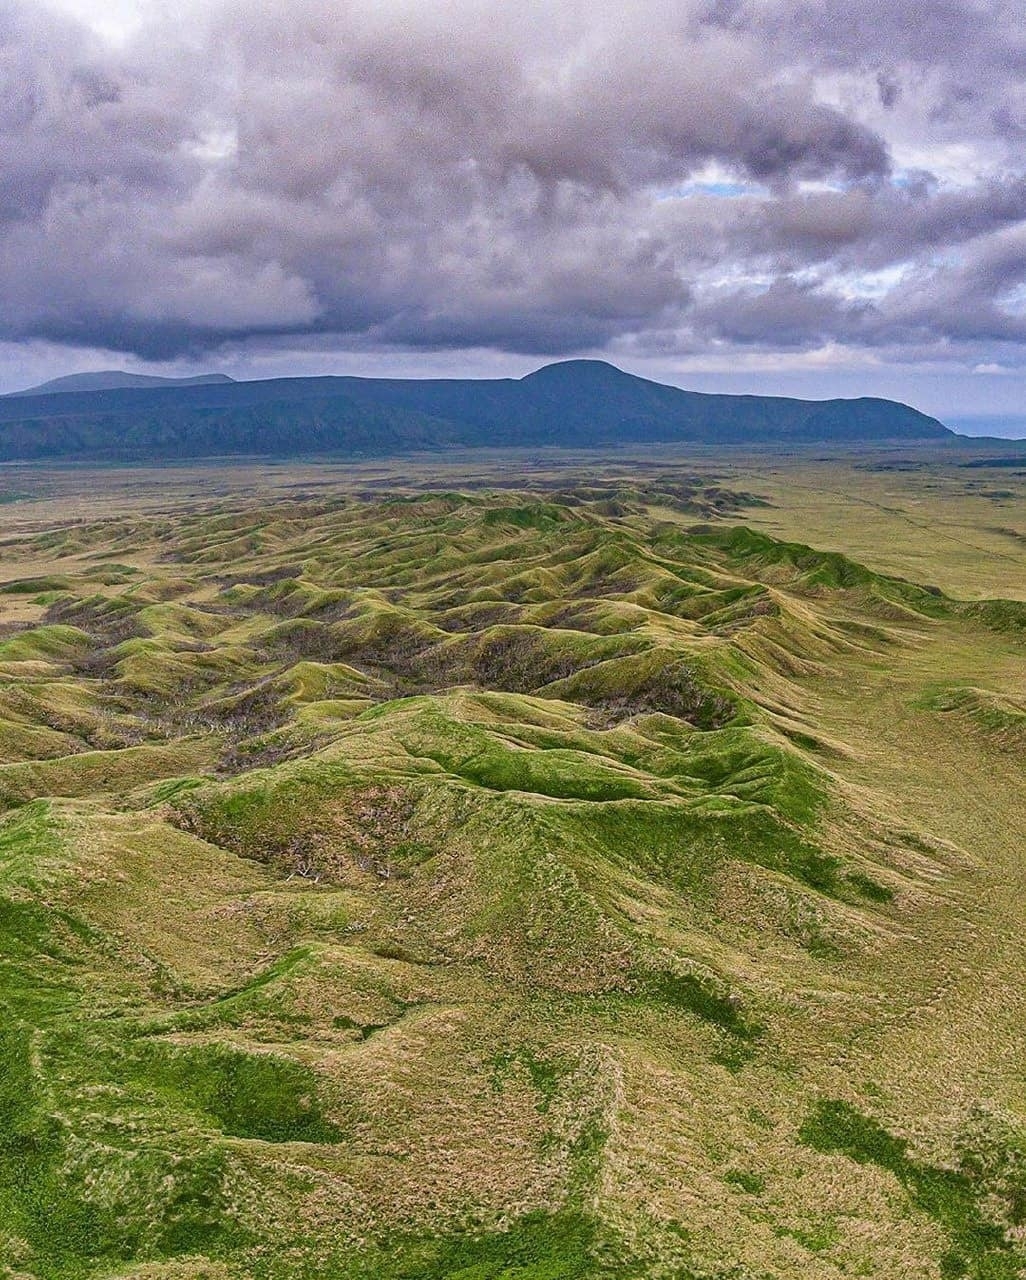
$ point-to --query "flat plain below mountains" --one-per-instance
(533, 867)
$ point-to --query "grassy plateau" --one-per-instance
(528, 866)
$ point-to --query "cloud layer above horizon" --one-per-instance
(723, 180)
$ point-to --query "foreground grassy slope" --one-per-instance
(547, 885)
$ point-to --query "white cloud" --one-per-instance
(113, 20)
(825, 187)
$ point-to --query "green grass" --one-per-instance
(535, 1246)
(979, 1245)
(245, 1095)
(869, 888)
(545, 1075)
(700, 997)
(71, 1227)
(751, 1183)
(481, 884)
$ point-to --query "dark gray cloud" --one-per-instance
(673, 176)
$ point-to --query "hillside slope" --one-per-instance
(579, 403)
(503, 885)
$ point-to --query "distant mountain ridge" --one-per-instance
(115, 379)
(575, 403)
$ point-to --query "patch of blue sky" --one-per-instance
(715, 181)
(869, 285)
(728, 190)
(822, 186)
(732, 280)
(1013, 301)
(950, 259)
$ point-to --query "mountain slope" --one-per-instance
(579, 403)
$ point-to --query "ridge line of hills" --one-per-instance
(116, 380)
(573, 403)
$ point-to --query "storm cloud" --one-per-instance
(669, 177)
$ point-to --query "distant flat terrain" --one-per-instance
(536, 864)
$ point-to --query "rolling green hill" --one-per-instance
(576, 403)
(563, 883)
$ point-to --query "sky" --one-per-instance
(809, 197)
